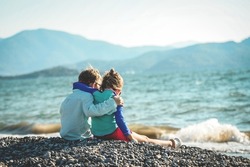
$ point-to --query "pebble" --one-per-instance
(55, 151)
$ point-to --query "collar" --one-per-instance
(83, 87)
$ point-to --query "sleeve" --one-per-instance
(121, 122)
(91, 110)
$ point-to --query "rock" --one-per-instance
(55, 151)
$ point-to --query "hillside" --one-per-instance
(34, 50)
(41, 49)
(210, 56)
(51, 72)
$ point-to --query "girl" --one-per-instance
(113, 126)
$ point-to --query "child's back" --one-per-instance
(105, 124)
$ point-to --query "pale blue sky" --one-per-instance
(131, 22)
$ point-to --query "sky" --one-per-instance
(131, 22)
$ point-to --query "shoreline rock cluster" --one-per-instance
(55, 151)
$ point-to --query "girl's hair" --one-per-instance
(90, 75)
(112, 79)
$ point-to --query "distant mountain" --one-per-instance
(41, 49)
(51, 72)
(33, 50)
(209, 56)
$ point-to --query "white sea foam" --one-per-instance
(212, 135)
(212, 131)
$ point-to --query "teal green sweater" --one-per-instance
(105, 124)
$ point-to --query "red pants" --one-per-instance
(116, 135)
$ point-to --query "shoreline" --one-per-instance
(234, 148)
(55, 151)
(152, 131)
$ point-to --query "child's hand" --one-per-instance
(118, 100)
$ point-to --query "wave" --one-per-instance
(208, 131)
(26, 128)
(213, 131)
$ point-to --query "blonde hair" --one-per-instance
(112, 79)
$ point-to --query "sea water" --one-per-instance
(208, 109)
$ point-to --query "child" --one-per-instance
(113, 126)
(76, 109)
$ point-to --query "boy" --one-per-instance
(78, 107)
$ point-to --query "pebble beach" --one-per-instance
(55, 151)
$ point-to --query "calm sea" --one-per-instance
(209, 109)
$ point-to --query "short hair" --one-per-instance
(89, 75)
(112, 79)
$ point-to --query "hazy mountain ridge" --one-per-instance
(34, 50)
(54, 44)
(210, 56)
(51, 72)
